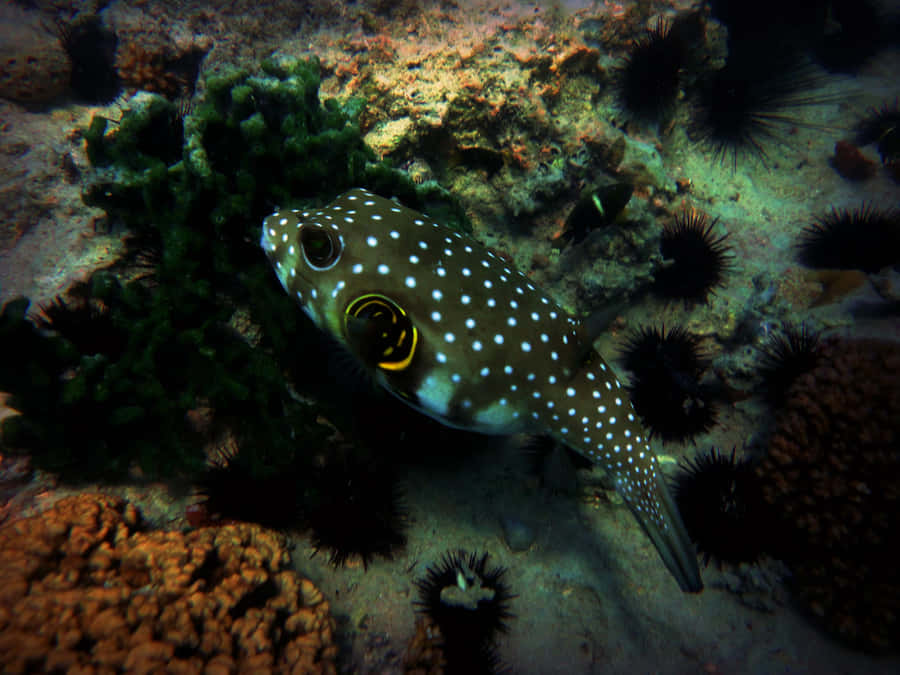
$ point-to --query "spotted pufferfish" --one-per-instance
(454, 331)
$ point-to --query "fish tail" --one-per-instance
(671, 539)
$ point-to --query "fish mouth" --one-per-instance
(673, 543)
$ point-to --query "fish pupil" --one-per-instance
(320, 246)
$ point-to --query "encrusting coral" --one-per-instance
(833, 471)
(79, 589)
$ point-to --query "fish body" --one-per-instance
(596, 208)
(456, 332)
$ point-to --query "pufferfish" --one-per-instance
(453, 330)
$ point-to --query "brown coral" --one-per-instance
(140, 68)
(425, 653)
(79, 590)
(833, 470)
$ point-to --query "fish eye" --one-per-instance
(321, 247)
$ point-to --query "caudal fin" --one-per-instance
(671, 539)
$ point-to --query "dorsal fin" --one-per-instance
(592, 327)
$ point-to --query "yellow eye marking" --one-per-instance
(396, 335)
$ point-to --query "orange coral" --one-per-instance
(79, 589)
(833, 470)
(425, 654)
(140, 68)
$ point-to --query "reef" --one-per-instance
(833, 471)
(83, 587)
(203, 323)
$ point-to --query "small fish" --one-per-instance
(595, 208)
(454, 331)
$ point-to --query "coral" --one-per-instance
(193, 206)
(141, 68)
(832, 473)
(851, 163)
(864, 238)
(424, 653)
(160, 66)
(82, 588)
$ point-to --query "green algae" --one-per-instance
(191, 191)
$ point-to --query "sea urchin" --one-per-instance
(865, 238)
(665, 387)
(648, 81)
(699, 259)
(785, 357)
(721, 502)
(881, 126)
(469, 602)
(358, 510)
(751, 102)
(233, 488)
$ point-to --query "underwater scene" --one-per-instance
(420, 337)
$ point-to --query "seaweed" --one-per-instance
(209, 327)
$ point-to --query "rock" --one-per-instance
(518, 535)
(34, 68)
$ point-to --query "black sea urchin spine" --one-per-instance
(865, 238)
(720, 500)
(752, 102)
(648, 82)
(698, 259)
